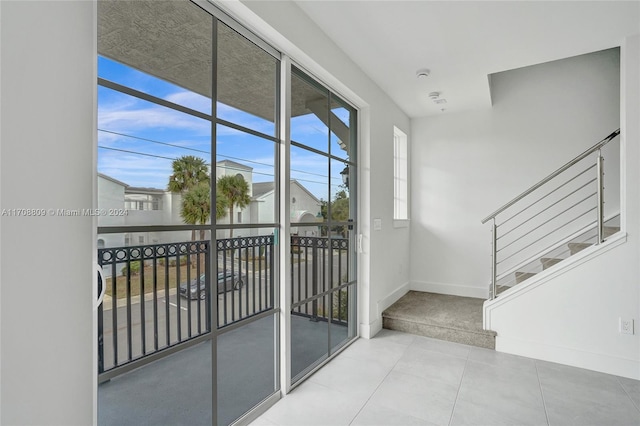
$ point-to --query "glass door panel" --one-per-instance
(323, 261)
(247, 368)
(309, 336)
(154, 153)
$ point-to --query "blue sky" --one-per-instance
(138, 140)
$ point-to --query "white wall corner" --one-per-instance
(451, 289)
(368, 331)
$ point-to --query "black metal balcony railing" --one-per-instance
(157, 296)
(318, 265)
(249, 261)
(141, 313)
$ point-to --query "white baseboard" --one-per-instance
(391, 298)
(604, 363)
(452, 289)
(367, 331)
(371, 329)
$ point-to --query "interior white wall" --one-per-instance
(384, 263)
(465, 165)
(573, 319)
(47, 280)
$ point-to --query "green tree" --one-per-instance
(196, 206)
(188, 173)
(339, 211)
(236, 192)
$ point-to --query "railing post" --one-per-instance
(493, 259)
(314, 304)
(600, 207)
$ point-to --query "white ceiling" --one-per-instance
(463, 42)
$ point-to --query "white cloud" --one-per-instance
(191, 100)
(130, 117)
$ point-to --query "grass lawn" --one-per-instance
(149, 276)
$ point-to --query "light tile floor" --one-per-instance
(401, 379)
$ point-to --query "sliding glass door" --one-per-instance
(323, 227)
(187, 122)
(190, 192)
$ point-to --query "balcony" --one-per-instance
(154, 325)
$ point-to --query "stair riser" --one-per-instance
(487, 341)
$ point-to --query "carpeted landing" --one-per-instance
(440, 316)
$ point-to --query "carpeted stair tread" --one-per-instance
(523, 276)
(452, 318)
(548, 262)
(578, 247)
(610, 230)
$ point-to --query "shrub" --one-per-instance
(135, 268)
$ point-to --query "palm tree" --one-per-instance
(188, 173)
(236, 192)
(196, 206)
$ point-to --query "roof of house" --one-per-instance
(260, 189)
(109, 178)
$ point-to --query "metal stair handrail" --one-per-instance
(582, 156)
(497, 228)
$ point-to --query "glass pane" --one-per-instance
(246, 368)
(340, 202)
(245, 178)
(310, 267)
(309, 336)
(246, 274)
(309, 186)
(157, 287)
(246, 82)
(159, 48)
(174, 390)
(341, 132)
(141, 147)
(309, 115)
(341, 331)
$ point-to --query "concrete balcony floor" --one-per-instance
(176, 390)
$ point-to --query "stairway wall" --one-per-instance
(573, 318)
(465, 165)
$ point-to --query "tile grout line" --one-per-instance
(544, 403)
(627, 393)
(455, 401)
(380, 384)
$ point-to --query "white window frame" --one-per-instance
(400, 178)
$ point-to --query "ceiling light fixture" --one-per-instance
(423, 73)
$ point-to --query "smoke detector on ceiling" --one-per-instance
(423, 73)
(434, 96)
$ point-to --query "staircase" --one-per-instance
(551, 259)
(445, 317)
(558, 217)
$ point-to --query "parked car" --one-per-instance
(227, 281)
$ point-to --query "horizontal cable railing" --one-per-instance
(566, 205)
